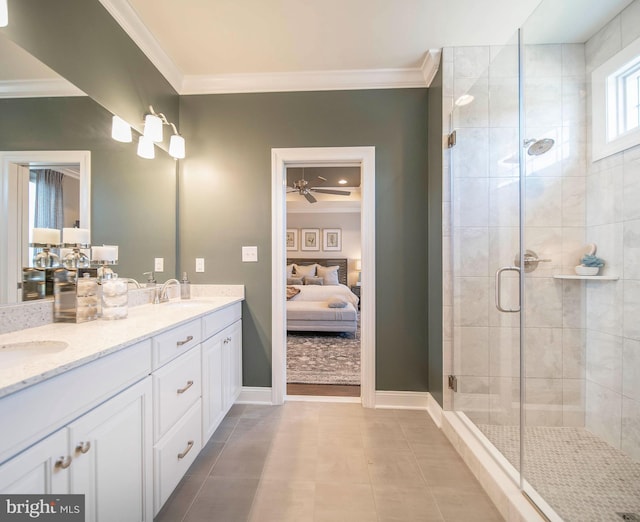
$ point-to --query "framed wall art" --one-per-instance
(310, 239)
(332, 239)
(291, 239)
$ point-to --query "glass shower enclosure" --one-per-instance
(546, 361)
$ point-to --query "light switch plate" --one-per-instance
(249, 254)
(158, 264)
(199, 264)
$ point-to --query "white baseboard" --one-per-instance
(254, 395)
(435, 411)
(384, 399)
(404, 400)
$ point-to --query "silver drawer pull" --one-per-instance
(182, 390)
(83, 447)
(63, 462)
(184, 453)
(188, 339)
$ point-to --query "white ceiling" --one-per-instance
(208, 46)
(262, 45)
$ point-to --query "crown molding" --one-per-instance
(38, 88)
(128, 19)
(430, 65)
(304, 81)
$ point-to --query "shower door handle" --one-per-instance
(499, 288)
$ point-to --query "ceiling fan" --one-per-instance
(302, 187)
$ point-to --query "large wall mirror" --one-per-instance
(123, 199)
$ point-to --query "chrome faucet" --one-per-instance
(161, 296)
(133, 282)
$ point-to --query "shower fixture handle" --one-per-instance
(531, 261)
(499, 273)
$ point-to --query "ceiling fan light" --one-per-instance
(176, 147)
(153, 128)
(146, 148)
(4, 13)
(120, 129)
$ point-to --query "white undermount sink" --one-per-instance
(13, 354)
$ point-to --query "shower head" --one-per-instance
(538, 147)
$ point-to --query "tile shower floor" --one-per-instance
(327, 462)
(578, 474)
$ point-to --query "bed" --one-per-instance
(309, 310)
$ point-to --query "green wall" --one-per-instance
(225, 203)
(434, 231)
(132, 199)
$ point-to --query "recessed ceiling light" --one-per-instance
(342, 182)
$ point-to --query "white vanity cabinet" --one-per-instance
(177, 409)
(105, 455)
(42, 469)
(122, 427)
(111, 451)
(221, 366)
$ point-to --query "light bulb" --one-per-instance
(153, 128)
(146, 148)
(4, 13)
(176, 146)
(120, 130)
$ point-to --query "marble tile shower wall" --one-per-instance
(613, 309)
(482, 202)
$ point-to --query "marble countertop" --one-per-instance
(92, 340)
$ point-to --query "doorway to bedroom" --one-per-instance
(323, 244)
(306, 157)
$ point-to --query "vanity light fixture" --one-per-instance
(4, 13)
(120, 130)
(176, 144)
(153, 123)
(153, 127)
(146, 148)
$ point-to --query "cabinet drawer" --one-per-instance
(176, 386)
(175, 452)
(213, 323)
(175, 342)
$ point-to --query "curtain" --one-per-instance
(49, 203)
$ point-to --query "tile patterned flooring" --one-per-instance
(578, 474)
(327, 462)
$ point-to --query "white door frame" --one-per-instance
(10, 269)
(364, 157)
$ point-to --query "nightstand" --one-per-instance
(356, 290)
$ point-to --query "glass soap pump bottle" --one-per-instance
(185, 287)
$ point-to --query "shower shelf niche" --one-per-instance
(586, 278)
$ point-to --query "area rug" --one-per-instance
(323, 358)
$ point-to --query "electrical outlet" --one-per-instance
(199, 264)
(249, 254)
(158, 264)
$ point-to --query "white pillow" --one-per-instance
(290, 270)
(306, 270)
(329, 274)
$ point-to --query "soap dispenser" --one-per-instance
(151, 281)
(185, 287)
